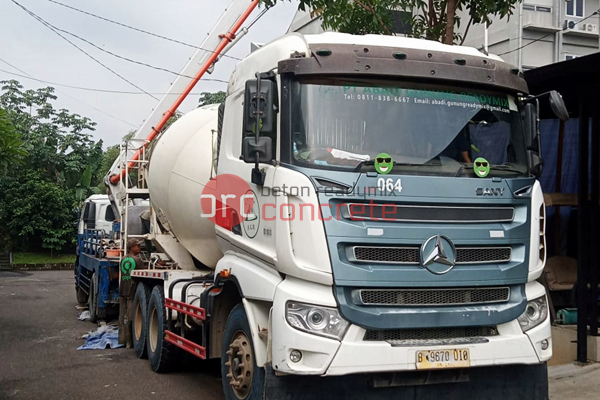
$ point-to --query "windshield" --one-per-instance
(427, 130)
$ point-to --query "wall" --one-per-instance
(541, 18)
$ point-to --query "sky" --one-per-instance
(36, 51)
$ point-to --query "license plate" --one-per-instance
(450, 358)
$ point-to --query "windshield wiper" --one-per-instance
(502, 168)
(362, 164)
(460, 169)
(505, 168)
(429, 163)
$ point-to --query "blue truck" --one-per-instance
(96, 265)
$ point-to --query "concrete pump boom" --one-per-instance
(218, 41)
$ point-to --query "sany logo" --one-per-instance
(227, 200)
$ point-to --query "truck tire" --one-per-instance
(242, 379)
(138, 319)
(161, 353)
(82, 296)
(93, 299)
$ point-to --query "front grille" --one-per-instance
(478, 255)
(410, 255)
(430, 333)
(396, 255)
(429, 214)
(433, 297)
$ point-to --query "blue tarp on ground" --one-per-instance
(105, 337)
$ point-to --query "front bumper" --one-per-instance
(515, 382)
(352, 355)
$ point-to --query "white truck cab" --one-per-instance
(96, 213)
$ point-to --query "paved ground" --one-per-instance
(574, 382)
(39, 335)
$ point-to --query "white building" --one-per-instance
(539, 32)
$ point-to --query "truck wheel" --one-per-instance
(82, 296)
(161, 353)
(138, 319)
(93, 299)
(242, 379)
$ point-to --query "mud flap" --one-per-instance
(514, 382)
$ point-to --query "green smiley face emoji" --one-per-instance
(481, 166)
(383, 163)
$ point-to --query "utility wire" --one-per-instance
(129, 59)
(87, 88)
(81, 50)
(551, 33)
(138, 29)
(122, 57)
(66, 94)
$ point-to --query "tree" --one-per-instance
(431, 19)
(59, 165)
(12, 151)
(37, 213)
(207, 98)
(58, 143)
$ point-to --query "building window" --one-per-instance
(401, 22)
(575, 8)
(570, 56)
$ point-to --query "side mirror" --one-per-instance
(89, 215)
(532, 138)
(259, 117)
(264, 148)
(530, 125)
(259, 104)
(535, 163)
(558, 105)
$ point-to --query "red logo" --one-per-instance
(227, 200)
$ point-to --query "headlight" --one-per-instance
(535, 313)
(322, 321)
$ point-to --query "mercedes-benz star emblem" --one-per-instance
(438, 255)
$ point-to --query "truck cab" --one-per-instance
(96, 213)
(400, 222)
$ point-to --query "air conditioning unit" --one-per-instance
(592, 28)
(569, 24)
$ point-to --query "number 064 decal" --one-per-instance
(388, 185)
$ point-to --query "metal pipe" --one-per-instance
(485, 39)
(226, 39)
(595, 215)
(520, 40)
(582, 233)
(558, 188)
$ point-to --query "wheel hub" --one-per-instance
(240, 365)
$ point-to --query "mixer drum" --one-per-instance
(179, 168)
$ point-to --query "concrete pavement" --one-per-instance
(39, 335)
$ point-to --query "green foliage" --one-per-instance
(108, 158)
(431, 19)
(12, 151)
(207, 98)
(55, 166)
(36, 213)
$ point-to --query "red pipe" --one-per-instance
(226, 39)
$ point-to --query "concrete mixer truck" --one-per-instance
(360, 219)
